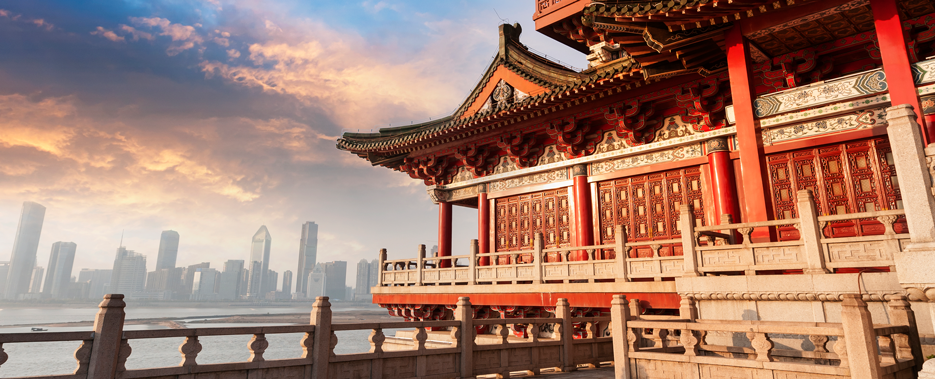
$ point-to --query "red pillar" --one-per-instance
(483, 225)
(749, 136)
(585, 228)
(722, 178)
(896, 65)
(444, 232)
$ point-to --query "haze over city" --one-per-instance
(213, 118)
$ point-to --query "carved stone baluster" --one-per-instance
(190, 349)
(419, 337)
(821, 228)
(903, 347)
(887, 222)
(257, 346)
(332, 343)
(819, 341)
(746, 234)
(887, 349)
(689, 341)
(702, 334)
(661, 339)
(533, 331)
(82, 355)
(840, 348)
(3, 355)
(307, 343)
(655, 248)
(376, 340)
(503, 332)
(634, 338)
(591, 327)
(762, 345)
(455, 335)
(124, 354)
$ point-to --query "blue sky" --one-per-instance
(212, 118)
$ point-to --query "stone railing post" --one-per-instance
(620, 254)
(687, 229)
(687, 309)
(635, 309)
(619, 314)
(810, 233)
(472, 265)
(108, 336)
(861, 339)
(915, 182)
(537, 259)
(901, 314)
(567, 331)
(321, 348)
(382, 259)
(420, 264)
(465, 314)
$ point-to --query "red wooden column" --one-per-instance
(483, 225)
(896, 65)
(722, 178)
(444, 233)
(585, 229)
(749, 136)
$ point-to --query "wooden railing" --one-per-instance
(719, 249)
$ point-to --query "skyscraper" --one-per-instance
(98, 281)
(188, 278)
(336, 272)
(35, 281)
(129, 274)
(25, 246)
(4, 270)
(317, 282)
(308, 254)
(61, 262)
(203, 284)
(231, 280)
(168, 249)
(287, 282)
(168, 282)
(362, 287)
(259, 262)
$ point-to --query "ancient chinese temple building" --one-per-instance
(717, 156)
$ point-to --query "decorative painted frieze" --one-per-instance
(541, 178)
(828, 110)
(924, 72)
(821, 93)
(464, 193)
(861, 120)
(675, 154)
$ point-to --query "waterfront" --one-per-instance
(51, 358)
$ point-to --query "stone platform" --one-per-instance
(604, 372)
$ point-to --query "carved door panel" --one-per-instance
(521, 217)
(853, 177)
(648, 208)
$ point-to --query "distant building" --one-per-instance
(129, 274)
(335, 280)
(167, 281)
(203, 287)
(4, 270)
(374, 272)
(363, 284)
(230, 280)
(349, 293)
(272, 281)
(259, 262)
(35, 281)
(287, 282)
(308, 254)
(316, 282)
(61, 262)
(188, 278)
(98, 282)
(25, 247)
(168, 249)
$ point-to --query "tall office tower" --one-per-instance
(374, 272)
(61, 262)
(244, 282)
(259, 253)
(308, 254)
(287, 282)
(231, 279)
(362, 287)
(272, 279)
(337, 280)
(4, 270)
(316, 282)
(203, 284)
(35, 280)
(129, 273)
(25, 246)
(168, 249)
(98, 281)
(188, 278)
(167, 281)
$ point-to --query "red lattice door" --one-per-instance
(519, 218)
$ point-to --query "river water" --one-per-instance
(52, 358)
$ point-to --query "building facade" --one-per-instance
(25, 247)
(258, 264)
(308, 254)
(168, 250)
(61, 262)
(129, 274)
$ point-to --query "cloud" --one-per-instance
(136, 34)
(233, 53)
(184, 36)
(376, 7)
(4, 13)
(43, 24)
(108, 34)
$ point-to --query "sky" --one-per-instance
(214, 117)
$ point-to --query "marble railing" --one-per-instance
(725, 348)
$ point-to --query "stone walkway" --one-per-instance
(603, 372)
